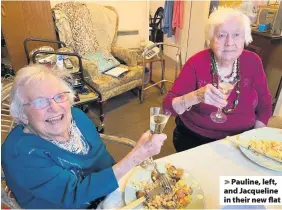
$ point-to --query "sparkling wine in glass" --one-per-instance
(158, 123)
(226, 88)
(158, 120)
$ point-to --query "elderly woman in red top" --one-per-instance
(195, 94)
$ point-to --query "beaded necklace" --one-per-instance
(232, 76)
(76, 144)
(215, 76)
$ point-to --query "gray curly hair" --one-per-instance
(222, 14)
(32, 74)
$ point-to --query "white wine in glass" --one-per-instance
(226, 88)
(158, 120)
(157, 123)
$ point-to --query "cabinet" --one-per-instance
(269, 48)
(23, 19)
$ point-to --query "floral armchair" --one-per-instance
(89, 27)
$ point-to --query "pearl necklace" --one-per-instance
(214, 74)
(233, 75)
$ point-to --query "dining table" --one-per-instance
(207, 163)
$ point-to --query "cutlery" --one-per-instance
(157, 191)
(165, 183)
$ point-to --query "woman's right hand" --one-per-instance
(147, 146)
(212, 96)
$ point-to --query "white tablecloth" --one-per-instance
(207, 163)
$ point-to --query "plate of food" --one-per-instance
(265, 147)
(186, 190)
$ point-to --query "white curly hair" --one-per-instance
(220, 15)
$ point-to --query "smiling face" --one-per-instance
(53, 121)
(228, 40)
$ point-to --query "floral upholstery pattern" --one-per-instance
(121, 89)
(79, 19)
(63, 28)
(116, 86)
(128, 56)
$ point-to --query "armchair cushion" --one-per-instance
(110, 86)
(104, 60)
(105, 82)
(128, 56)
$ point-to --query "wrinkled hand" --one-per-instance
(148, 145)
(212, 96)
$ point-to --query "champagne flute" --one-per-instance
(226, 88)
(158, 120)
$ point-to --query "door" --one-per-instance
(24, 19)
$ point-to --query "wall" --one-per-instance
(199, 17)
(133, 15)
(278, 109)
(191, 36)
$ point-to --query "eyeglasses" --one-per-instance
(41, 103)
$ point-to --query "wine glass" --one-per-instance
(226, 88)
(158, 120)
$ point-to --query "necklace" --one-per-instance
(233, 74)
(215, 77)
(76, 144)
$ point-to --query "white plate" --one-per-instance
(112, 201)
(259, 134)
(143, 175)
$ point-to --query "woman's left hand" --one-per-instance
(211, 95)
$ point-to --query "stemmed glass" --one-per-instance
(158, 120)
(226, 88)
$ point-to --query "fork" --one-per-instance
(165, 183)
